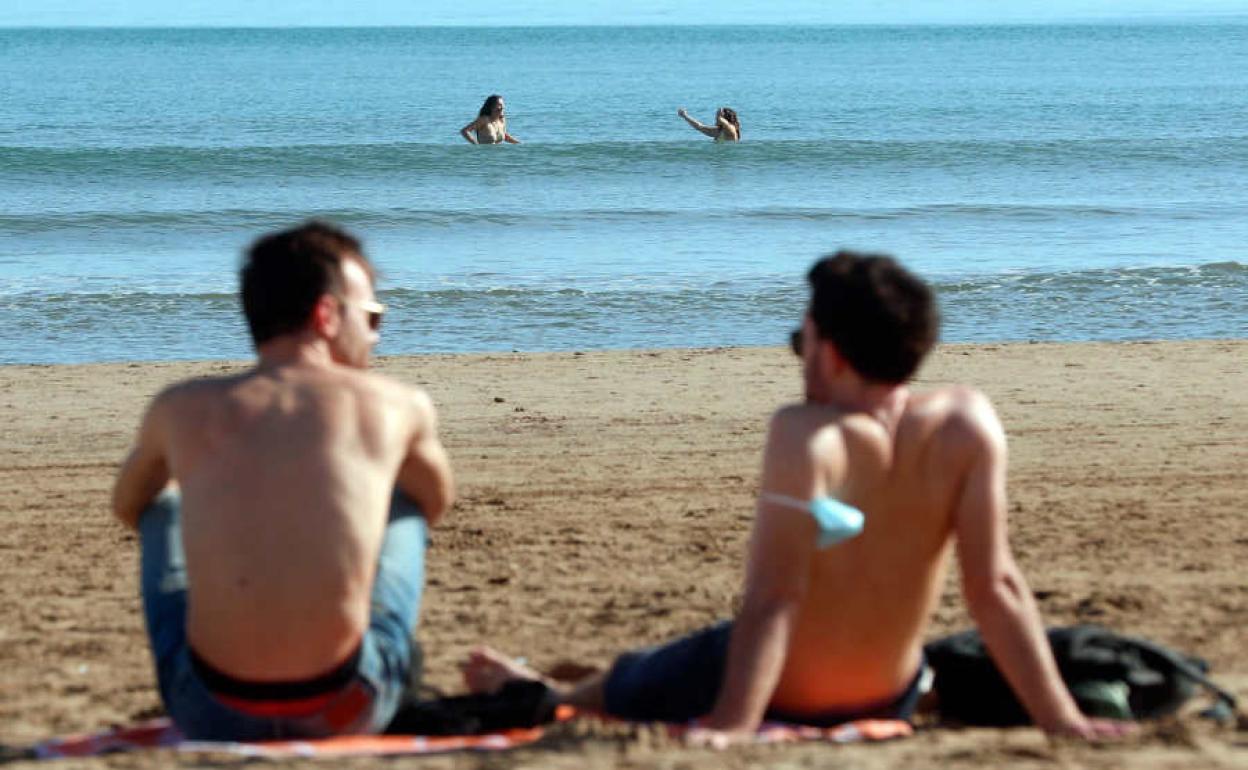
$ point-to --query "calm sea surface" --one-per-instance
(1054, 182)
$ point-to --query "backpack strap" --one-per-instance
(1185, 667)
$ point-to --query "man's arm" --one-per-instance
(425, 475)
(776, 580)
(996, 592)
(145, 472)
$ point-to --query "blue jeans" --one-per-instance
(680, 681)
(365, 705)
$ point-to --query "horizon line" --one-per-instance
(1148, 19)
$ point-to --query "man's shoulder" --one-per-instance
(958, 414)
(195, 390)
(808, 429)
(810, 422)
(951, 401)
(384, 390)
(182, 404)
(381, 382)
(804, 419)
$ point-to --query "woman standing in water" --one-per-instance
(490, 126)
(727, 126)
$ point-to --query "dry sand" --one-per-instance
(605, 499)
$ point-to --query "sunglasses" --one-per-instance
(374, 310)
(795, 342)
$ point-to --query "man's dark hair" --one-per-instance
(882, 318)
(285, 273)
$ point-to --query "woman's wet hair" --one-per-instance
(882, 318)
(491, 102)
(730, 115)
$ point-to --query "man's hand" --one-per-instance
(681, 112)
(1092, 729)
(712, 738)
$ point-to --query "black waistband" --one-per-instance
(221, 683)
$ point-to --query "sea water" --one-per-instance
(1081, 182)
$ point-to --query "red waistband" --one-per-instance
(278, 699)
(277, 708)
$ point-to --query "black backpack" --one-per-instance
(517, 704)
(1109, 675)
(425, 711)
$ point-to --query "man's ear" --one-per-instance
(831, 362)
(326, 317)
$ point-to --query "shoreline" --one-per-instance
(1104, 304)
(605, 500)
(380, 361)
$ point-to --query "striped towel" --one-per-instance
(161, 733)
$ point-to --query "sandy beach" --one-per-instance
(605, 498)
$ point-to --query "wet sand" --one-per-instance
(605, 501)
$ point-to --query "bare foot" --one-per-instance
(571, 672)
(486, 671)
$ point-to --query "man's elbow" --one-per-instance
(996, 594)
(436, 503)
(434, 512)
(124, 511)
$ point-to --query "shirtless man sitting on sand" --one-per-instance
(282, 570)
(865, 485)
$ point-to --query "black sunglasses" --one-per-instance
(374, 311)
(795, 342)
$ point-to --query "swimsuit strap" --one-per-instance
(785, 500)
(837, 521)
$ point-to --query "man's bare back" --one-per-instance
(858, 634)
(285, 477)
